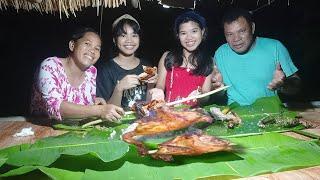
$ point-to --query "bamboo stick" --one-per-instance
(197, 96)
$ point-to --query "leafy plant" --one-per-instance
(45, 152)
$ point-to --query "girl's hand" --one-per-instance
(153, 79)
(156, 94)
(129, 81)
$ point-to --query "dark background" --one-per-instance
(27, 38)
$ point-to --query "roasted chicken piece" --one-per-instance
(231, 117)
(190, 144)
(143, 108)
(167, 119)
(148, 73)
(164, 120)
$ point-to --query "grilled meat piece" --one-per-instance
(190, 144)
(148, 73)
(165, 120)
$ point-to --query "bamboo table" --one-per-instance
(11, 125)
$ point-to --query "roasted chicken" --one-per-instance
(164, 120)
(190, 144)
(148, 73)
(231, 117)
(144, 108)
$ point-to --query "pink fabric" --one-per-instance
(183, 84)
(52, 87)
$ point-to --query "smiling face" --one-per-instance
(190, 36)
(239, 35)
(128, 42)
(86, 50)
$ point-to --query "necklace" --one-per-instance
(186, 62)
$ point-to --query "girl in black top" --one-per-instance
(117, 79)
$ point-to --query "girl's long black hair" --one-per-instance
(200, 58)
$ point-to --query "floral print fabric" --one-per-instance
(51, 87)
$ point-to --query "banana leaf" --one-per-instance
(3, 159)
(53, 173)
(254, 155)
(251, 115)
(44, 152)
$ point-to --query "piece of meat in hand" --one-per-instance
(148, 72)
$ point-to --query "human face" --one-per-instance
(239, 35)
(86, 50)
(190, 36)
(128, 42)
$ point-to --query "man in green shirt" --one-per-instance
(254, 67)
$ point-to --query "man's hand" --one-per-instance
(278, 78)
(216, 80)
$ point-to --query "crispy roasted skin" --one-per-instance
(143, 108)
(167, 120)
(148, 72)
(190, 144)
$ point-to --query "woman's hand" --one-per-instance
(129, 81)
(111, 112)
(99, 101)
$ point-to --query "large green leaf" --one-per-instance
(19, 171)
(53, 173)
(255, 155)
(46, 151)
(61, 174)
(3, 159)
(251, 115)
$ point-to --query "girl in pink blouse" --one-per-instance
(66, 87)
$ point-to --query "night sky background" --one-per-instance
(27, 38)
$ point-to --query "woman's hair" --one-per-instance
(118, 29)
(80, 32)
(199, 58)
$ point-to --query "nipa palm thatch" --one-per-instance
(61, 6)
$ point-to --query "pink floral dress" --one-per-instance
(52, 87)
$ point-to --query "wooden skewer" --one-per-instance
(92, 123)
(197, 96)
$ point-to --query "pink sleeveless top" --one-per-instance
(180, 83)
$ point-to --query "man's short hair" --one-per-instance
(234, 13)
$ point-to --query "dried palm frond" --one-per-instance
(63, 7)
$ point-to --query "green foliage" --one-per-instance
(252, 114)
(45, 152)
(90, 153)
(253, 155)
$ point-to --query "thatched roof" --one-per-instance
(66, 7)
